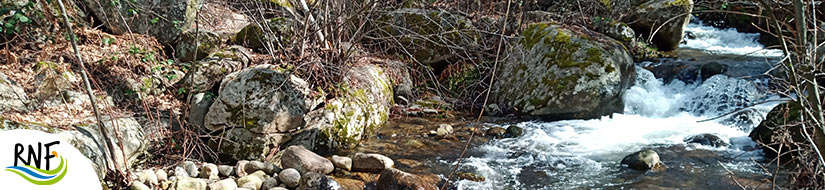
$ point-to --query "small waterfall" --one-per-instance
(725, 41)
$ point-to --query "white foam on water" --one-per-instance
(725, 41)
(586, 153)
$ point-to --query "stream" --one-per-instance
(659, 115)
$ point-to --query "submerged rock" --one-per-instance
(514, 131)
(396, 179)
(667, 18)
(565, 72)
(496, 132)
(713, 68)
(642, 160)
(707, 140)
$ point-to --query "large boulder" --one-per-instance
(165, 20)
(209, 71)
(259, 36)
(770, 132)
(396, 179)
(362, 106)
(430, 36)
(305, 161)
(665, 19)
(12, 96)
(565, 72)
(87, 139)
(194, 45)
(256, 107)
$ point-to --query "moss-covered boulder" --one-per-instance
(243, 144)
(782, 118)
(196, 45)
(264, 99)
(165, 20)
(273, 32)
(430, 36)
(669, 17)
(564, 72)
(362, 106)
(211, 70)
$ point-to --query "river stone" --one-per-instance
(162, 175)
(342, 162)
(148, 177)
(290, 177)
(188, 183)
(139, 186)
(396, 179)
(642, 160)
(272, 101)
(252, 181)
(671, 15)
(371, 162)
(225, 184)
(242, 144)
(225, 170)
(444, 130)
(496, 132)
(713, 68)
(363, 106)
(270, 183)
(240, 168)
(316, 181)
(707, 140)
(190, 168)
(209, 171)
(254, 166)
(12, 96)
(563, 72)
(305, 161)
(141, 16)
(180, 172)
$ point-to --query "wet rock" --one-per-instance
(496, 132)
(271, 169)
(252, 181)
(470, 176)
(270, 183)
(139, 16)
(273, 102)
(253, 36)
(559, 72)
(209, 171)
(187, 50)
(225, 170)
(188, 183)
(12, 96)
(444, 130)
(707, 140)
(713, 68)
(317, 181)
(651, 15)
(784, 116)
(226, 184)
(642, 160)
(290, 177)
(190, 168)
(139, 186)
(396, 179)
(514, 131)
(305, 161)
(342, 162)
(371, 162)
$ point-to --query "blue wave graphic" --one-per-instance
(31, 173)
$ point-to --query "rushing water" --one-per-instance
(585, 154)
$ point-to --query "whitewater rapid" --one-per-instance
(575, 154)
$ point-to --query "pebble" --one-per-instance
(290, 177)
(342, 162)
